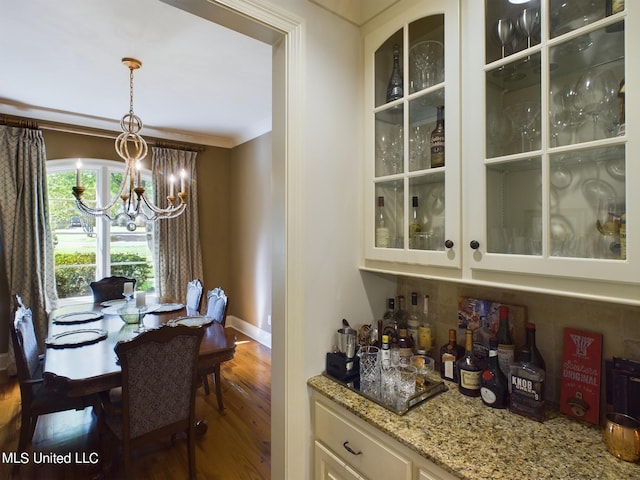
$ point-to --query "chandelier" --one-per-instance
(132, 148)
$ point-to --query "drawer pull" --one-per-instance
(349, 449)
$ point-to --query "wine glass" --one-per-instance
(505, 30)
(594, 92)
(527, 23)
(523, 116)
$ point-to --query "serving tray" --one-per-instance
(77, 317)
(430, 389)
(76, 338)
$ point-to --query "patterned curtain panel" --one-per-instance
(26, 234)
(177, 240)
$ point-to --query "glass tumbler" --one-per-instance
(370, 371)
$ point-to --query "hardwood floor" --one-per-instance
(237, 445)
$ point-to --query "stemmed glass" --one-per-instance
(527, 23)
(594, 93)
(523, 116)
(505, 30)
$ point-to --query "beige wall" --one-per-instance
(619, 324)
(250, 229)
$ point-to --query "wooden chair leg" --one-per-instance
(216, 376)
(205, 383)
(25, 430)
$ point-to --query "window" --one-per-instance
(90, 248)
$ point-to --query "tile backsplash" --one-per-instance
(618, 324)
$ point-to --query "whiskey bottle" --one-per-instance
(437, 140)
(405, 345)
(530, 353)
(395, 89)
(494, 388)
(414, 224)
(506, 347)
(382, 231)
(389, 327)
(468, 370)
(450, 353)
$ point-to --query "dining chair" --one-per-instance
(159, 380)
(36, 398)
(194, 295)
(217, 304)
(109, 288)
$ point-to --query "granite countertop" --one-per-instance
(474, 442)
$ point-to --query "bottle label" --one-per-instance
(382, 237)
(470, 380)
(527, 392)
(437, 143)
(488, 395)
(448, 361)
(424, 338)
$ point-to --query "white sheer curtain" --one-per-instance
(27, 240)
(177, 240)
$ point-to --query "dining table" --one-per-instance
(90, 365)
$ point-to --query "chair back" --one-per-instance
(194, 294)
(217, 304)
(109, 288)
(25, 343)
(159, 378)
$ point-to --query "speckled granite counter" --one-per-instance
(474, 442)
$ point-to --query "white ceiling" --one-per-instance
(199, 82)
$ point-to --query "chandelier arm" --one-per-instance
(158, 210)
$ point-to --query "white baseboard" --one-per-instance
(249, 330)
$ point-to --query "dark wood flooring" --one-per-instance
(237, 445)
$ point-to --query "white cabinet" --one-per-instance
(538, 189)
(407, 186)
(329, 466)
(346, 447)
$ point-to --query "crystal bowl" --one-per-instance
(129, 314)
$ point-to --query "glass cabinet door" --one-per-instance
(415, 166)
(554, 137)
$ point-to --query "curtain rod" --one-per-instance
(13, 121)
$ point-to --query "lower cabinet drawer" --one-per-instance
(367, 455)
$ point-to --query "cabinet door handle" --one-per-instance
(474, 244)
(349, 449)
(448, 243)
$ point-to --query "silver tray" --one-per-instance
(430, 389)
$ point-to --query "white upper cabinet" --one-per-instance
(412, 174)
(536, 191)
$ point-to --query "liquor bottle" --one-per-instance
(450, 353)
(382, 231)
(414, 224)
(506, 347)
(437, 140)
(530, 353)
(425, 330)
(405, 345)
(481, 337)
(527, 381)
(469, 372)
(388, 322)
(494, 388)
(395, 89)
(385, 352)
(401, 315)
(413, 320)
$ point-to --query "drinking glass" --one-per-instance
(523, 116)
(505, 30)
(527, 23)
(427, 62)
(369, 371)
(594, 94)
(388, 382)
(406, 386)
